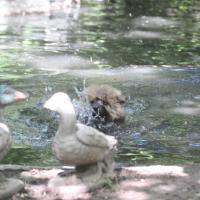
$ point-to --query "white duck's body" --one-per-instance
(8, 96)
(8, 186)
(5, 140)
(86, 145)
(74, 143)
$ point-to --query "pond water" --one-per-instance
(148, 50)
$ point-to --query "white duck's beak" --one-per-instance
(49, 105)
(46, 105)
(20, 96)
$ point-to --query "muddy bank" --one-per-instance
(138, 182)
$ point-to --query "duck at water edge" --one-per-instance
(84, 147)
(8, 95)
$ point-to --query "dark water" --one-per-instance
(148, 50)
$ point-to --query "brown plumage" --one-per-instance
(107, 102)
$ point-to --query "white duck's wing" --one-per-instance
(92, 137)
(4, 137)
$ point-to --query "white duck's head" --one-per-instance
(9, 95)
(59, 102)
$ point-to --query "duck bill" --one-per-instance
(46, 105)
(20, 96)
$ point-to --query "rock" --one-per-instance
(67, 187)
(10, 187)
(38, 175)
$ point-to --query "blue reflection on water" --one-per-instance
(195, 144)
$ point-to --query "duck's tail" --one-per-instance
(112, 142)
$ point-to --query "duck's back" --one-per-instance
(5, 140)
(87, 145)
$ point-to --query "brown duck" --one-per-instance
(106, 101)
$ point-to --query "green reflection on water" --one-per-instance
(11, 70)
(40, 156)
(108, 32)
(179, 47)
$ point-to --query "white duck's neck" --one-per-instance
(1, 114)
(67, 123)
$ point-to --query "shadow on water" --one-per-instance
(140, 48)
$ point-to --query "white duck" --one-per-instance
(7, 96)
(78, 144)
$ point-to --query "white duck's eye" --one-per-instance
(7, 92)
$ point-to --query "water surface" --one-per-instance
(150, 51)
